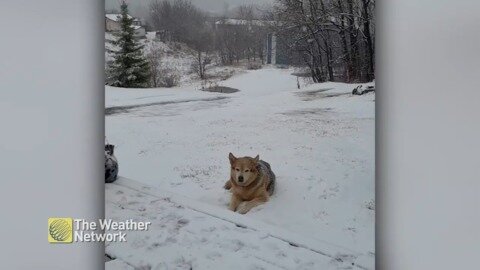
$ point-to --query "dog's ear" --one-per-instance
(256, 159)
(232, 158)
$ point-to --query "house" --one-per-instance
(112, 24)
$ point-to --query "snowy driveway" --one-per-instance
(319, 141)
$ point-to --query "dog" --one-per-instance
(251, 183)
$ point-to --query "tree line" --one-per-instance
(231, 40)
(333, 38)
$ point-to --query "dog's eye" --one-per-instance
(237, 169)
(247, 170)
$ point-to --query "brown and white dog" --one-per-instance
(252, 182)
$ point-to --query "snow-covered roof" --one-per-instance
(116, 17)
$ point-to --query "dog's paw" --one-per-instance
(243, 208)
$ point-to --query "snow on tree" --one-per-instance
(334, 38)
(129, 68)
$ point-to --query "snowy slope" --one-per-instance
(177, 58)
(186, 234)
(319, 141)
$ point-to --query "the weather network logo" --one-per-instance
(60, 230)
(69, 230)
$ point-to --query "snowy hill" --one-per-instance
(177, 58)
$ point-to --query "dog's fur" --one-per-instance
(251, 182)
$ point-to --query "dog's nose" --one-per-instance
(240, 179)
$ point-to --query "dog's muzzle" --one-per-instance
(240, 179)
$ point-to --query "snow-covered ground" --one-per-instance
(187, 234)
(319, 141)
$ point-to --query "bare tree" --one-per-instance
(183, 22)
(201, 42)
(243, 37)
(367, 6)
(180, 18)
(335, 38)
(154, 55)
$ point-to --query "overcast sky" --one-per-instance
(140, 7)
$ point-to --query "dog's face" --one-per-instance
(243, 170)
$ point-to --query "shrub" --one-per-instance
(169, 79)
(254, 65)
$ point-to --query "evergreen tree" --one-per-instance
(129, 68)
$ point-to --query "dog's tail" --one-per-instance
(271, 177)
(271, 185)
